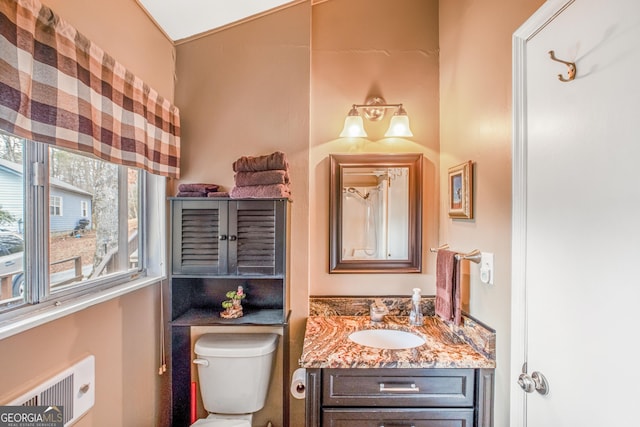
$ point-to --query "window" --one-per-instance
(55, 206)
(92, 247)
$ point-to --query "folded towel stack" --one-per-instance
(262, 177)
(200, 190)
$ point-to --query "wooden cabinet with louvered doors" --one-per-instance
(256, 237)
(198, 245)
(216, 246)
(228, 237)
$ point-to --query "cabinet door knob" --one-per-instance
(222, 237)
(233, 238)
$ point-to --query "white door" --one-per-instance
(576, 215)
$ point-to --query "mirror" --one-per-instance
(375, 209)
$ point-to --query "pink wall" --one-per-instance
(362, 48)
(244, 91)
(122, 334)
(475, 124)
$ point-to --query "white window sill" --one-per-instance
(32, 319)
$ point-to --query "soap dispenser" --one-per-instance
(415, 316)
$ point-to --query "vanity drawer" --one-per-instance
(398, 387)
(396, 417)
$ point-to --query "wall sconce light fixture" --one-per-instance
(374, 109)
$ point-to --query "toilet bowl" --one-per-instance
(234, 371)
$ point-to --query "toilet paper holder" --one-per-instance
(298, 383)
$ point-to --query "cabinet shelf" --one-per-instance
(209, 317)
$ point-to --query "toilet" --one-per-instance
(234, 371)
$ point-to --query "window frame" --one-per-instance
(39, 302)
(57, 206)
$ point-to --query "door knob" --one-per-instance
(526, 383)
(540, 383)
(536, 382)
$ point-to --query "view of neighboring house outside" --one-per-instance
(69, 213)
(84, 198)
(72, 205)
(12, 195)
(69, 206)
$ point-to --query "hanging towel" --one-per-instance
(277, 160)
(448, 287)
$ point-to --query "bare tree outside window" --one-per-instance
(86, 221)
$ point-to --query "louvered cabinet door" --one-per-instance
(199, 237)
(256, 237)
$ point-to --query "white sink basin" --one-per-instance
(386, 338)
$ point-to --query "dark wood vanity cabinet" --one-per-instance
(216, 246)
(372, 397)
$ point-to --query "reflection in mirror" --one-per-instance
(375, 208)
(375, 213)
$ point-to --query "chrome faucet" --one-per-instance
(378, 310)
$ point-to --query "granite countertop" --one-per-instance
(326, 345)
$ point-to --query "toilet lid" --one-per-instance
(208, 422)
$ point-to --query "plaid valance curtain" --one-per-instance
(57, 87)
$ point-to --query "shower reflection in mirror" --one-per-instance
(375, 213)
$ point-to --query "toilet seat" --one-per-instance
(209, 422)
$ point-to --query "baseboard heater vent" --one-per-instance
(73, 389)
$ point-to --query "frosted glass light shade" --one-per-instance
(353, 127)
(399, 126)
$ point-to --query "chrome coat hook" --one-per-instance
(571, 68)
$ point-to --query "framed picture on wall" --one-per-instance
(461, 191)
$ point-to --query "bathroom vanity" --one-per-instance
(402, 397)
(216, 246)
(445, 382)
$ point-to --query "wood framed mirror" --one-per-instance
(375, 213)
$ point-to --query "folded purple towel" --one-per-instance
(277, 160)
(218, 194)
(272, 191)
(191, 194)
(200, 187)
(275, 176)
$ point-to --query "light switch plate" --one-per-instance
(486, 268)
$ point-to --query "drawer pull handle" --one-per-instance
(398, 425)
(396, 388)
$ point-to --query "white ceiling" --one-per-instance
(185, 18)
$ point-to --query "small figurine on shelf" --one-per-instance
(232, 306)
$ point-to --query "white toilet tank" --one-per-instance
(234, 370)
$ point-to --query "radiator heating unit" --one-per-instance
(73, 389)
